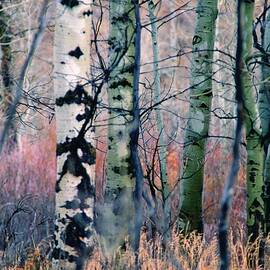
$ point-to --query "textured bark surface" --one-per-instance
(75, 193)
(255, 185)
(199, 114)
(264, 109)
(6, 73)
(116, 216)
(267, 190)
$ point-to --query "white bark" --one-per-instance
(74, 233)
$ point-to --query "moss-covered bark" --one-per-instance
(255, 208)
(191, 182)
(74, 237)
(116, 216)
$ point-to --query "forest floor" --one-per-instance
(183, 252)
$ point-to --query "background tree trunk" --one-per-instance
(75, 192)
(222, 125)
(116, 216)
(255, 204)
(159, 120)
(6, 74)
(264, 108)
(191, 182)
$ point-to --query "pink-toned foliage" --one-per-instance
(30, 168)
(27, 179)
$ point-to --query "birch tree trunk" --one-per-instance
(75, 191)
(264, 108)
(191, 183)
(255, 204)
(116, 216)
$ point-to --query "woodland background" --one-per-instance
(28, 163)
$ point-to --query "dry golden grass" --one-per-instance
(188, 252)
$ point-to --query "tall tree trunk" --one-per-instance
(6, 73)
(116, 216)
(134, 135)
(222, 124)
(75, 191)
(159, 120)
(191, 182)
(255, 204)
(267, 190)
(264, 108)
(228, 191)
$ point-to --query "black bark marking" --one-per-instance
(122, 82)
(76, 230)
(73, 164)
(130, 168)
(6, 62)
(76, 53)
(87, 113)
(118, 97)
(72, 145)
(124, 18)
(87, 13)
(70, 3)
(116, 169)
(120, 135)
(78, 226)
(77, 96)
(122, 170)
(256, 210)
(80, 117)
(74, 204)
(128, 68)
(196, 40)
